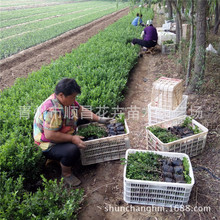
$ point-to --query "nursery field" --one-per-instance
(28, 26)
(110, 73)
(101, 67)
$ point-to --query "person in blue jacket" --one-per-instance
(141, 21)
(135, 21)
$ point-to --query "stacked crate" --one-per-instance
(167, 100)
(167, 109)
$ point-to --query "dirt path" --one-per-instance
(32, 59)
(103, 183)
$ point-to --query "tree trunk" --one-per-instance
(190, 56)
(182, 8)
(178, 23)
(198, 75)
(216, 27)
(177, 31)
(216, 12)
(170, 10)
(217, 20)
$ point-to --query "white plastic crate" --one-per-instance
(167, 93)
(164, 36)
(168, 48)
(105, 149)
(156, 114)
(156, 193)
(192, 145)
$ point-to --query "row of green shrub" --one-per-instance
(23, 15)
(54, 201)
(100, 66)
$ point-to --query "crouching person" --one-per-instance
(150, 36)
(55, 123)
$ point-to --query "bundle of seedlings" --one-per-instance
(92, 131)
(175, 170)
(167, 42)
(118, 127)
(154, 167)
(170, 134)
(95, 131)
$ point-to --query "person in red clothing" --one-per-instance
(150, 36)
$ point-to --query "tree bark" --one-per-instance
(198, 75)
(190, 56)
(216, 27)
(216, 12)
(178, 23)
(182, 8)
(170, 10)
(217, 20)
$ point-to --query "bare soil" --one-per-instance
(103, 183)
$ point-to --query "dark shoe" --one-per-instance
(71, 180)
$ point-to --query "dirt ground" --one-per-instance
(103, 183)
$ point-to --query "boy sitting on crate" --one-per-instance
(55, 123)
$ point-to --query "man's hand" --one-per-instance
(104, 120)
(77, 140)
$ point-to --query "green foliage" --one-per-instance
(53, 202)
(148, 13)
(31, 32)
(11, 193)
(163, 134)
(143, 166)
(166, 136)
(186, 170)
(147, 166)
(101, 67)
(92, 130)
(168, 42)
(120, 118)
(188, 123)
(18, 156)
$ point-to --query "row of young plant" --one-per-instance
(24, 12)
(45, 23)
(26, 39)
(11, 3)
(10, 18)
(101, 68)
